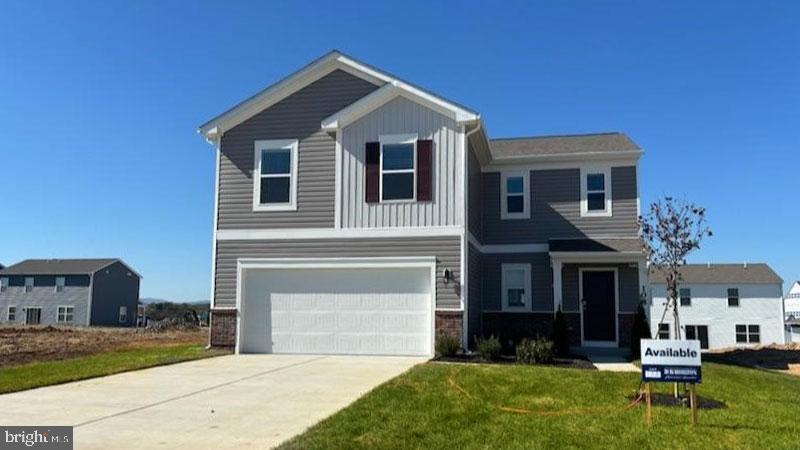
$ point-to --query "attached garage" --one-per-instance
(337, 306)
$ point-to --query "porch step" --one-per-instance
(608, 359)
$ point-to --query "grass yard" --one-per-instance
(564, 408)
(38, 374)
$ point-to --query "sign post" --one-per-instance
(671, 360)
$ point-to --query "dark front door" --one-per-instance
(599, 308)
(33, 316)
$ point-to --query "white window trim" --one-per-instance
(747, 335)
(275, 144)
(3, 284)
(25, 289)
(681, 297)
(606, 171)
(119, 314)
(527, 307)
(526, 202)
(390, 139)
(58, 313)
(728, 298)
(63, 283)
(8, 311)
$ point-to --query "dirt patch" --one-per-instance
(785, 358)
(660, 399)
(19, 345)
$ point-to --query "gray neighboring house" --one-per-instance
(102, 292)
(357, 213)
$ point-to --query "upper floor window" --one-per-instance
(733, 297)
(3, 284)
(60, 284)
(596, 192)
(275, 176)
(514, 195)
(398, 164)
(28, 284)
(663, 331)
(123, 314)
(686, 297)
(516, 285)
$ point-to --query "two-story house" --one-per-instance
(102, 292)
(358, 213)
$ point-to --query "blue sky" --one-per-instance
(100, 102)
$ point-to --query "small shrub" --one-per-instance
(535, 351)
(639, 330)
(561, 334)
(447, 345)
(488, 348)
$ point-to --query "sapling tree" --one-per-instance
(670, 231)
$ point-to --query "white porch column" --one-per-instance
(557, 292)
(644, 283)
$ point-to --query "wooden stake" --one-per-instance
(693, 402)
(649, 401)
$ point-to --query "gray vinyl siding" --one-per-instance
(541, 278)
(114, 286)
(402, 116)
(555, 207)
(49, 300)
(628, 286)
(475, 195)
(296, 117)
(475, 294)
(447, 251)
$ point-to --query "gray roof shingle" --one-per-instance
(614, 142)
(757, 273)
(58, 266)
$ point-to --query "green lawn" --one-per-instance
(570, 408)
(27, 376)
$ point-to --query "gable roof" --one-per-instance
(560, 145)
(313, 71)
(61, 266)
(758, 273)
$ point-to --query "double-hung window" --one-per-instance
(663, 331)
(685, 296)
(3, 284)
(514, 195)
(733, 296)
(596, 192)
(28, 284)
(748, 334)
(60, 281)
(65, 314)
(275, 176)
(398, 167)
(12, 313)
(516, 286)
(123, 314)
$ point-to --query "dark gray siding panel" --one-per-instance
(475, 297)
(475, 193)
(296, 117)
(555, 206)
(628, 286)
(113, 287)
(447, 251)
(541, 278)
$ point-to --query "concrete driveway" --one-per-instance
(255, 401)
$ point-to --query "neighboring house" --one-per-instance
(722, 305)
(792, 302)
(357, 213)
(69, 292)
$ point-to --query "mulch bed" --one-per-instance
(573, 362)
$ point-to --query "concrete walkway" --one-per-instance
(608, 359)
(255, 401)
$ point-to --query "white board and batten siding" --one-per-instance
(759, 304)
(403, 116)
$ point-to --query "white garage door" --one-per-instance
(376, 311)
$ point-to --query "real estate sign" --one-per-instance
(671, 360)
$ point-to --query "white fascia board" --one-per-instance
(571, 160)
(389, 92)
(598, 257)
